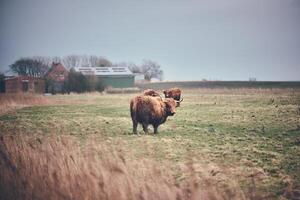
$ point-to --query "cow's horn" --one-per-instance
(181, 100)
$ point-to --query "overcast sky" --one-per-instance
(191, 39)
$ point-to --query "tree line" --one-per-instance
(38, 66)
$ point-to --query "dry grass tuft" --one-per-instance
(58, 167)
(10, 102)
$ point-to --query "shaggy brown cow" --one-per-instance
(150, 110)
(174, 93)
(151, 92)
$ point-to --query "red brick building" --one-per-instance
(21, 84)
(55, 78)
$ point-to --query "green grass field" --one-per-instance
(252, 136)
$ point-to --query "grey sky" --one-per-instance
(191, 39)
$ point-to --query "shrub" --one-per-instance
(77, 82)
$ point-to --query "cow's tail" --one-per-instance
(132, 109)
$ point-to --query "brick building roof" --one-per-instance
(57, 72)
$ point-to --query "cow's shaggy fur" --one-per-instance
(151, 92)
(150, 110)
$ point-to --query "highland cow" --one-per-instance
(150, 110)
(174, 93)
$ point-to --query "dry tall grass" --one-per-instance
(58, 167)
(10, 102)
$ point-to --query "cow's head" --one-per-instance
(169, 94)
(170, 105)
(166, 93)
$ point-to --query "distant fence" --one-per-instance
(221, 84)
(122, 90)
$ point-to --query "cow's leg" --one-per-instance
(134, 126)
(155, 126)
(145, 127)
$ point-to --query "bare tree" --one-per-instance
(71, 61)
(93, 60)
(103, 62)
(85, 61)
(90, 61)
(134, 68)
(151, 69)
(131, 66)
(43, 59)
(56, 59)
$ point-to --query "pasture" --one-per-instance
(226, 143)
